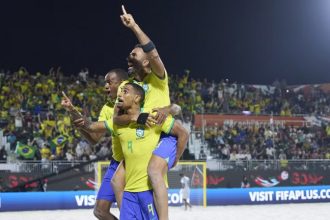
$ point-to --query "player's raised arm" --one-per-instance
(92, 137)
(96, 127)
(69, 107)
(66, 102)
(147, 45)
(90, 131)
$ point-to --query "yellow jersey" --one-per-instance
(138, 142)
(106, 114)
(157, 93)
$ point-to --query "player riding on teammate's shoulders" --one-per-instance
(151, 141)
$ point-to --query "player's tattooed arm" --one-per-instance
(80, 122)
(92, 137)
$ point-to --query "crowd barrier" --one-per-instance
(271, 182)
(235, 196)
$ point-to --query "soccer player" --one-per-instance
(105, 196)
(185, 190)
(138, 143)
(148, 71)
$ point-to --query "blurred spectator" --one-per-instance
(245, 183)
(30, 112)
(3, 154)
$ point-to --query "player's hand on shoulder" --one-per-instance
(151, 121)
(161, 115)
(126, 18)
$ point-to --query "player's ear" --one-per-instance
(145, 63)
(137, 99)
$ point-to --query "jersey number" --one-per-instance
(130, 146)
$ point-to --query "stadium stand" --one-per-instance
(33, 125)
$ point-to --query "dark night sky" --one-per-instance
(251, 41)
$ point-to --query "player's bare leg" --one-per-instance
(186, 204)
(157, 169)
(118, 183)
(102, 210)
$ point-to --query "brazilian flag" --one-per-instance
(59, 141)
(26, 151)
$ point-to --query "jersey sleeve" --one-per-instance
(162, 83)
(109, 126)
(102, 116)
(106, 112)
(168, 124)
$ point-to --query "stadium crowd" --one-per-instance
(233, 142)
(34, 126)
(197, 96)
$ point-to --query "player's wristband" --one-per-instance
(148, 47)
(142, 119)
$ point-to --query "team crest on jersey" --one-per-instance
(140, 132)
(145, 87)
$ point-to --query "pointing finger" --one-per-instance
(123, 9)
(64, 95)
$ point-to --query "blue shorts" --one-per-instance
(166, 149)
(106, 192)
(138, 206)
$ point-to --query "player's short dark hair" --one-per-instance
(120, 73)
(138, 89)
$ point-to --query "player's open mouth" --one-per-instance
(130, 67)
(107, 90)
(130, 70)
(119, 102)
